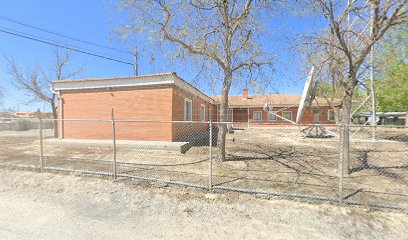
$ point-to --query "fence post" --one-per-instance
(341, 162)
(114, 143)
(41, 144)
(210, 158)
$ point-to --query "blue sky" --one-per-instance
(94, 21)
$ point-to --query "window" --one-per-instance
(257, 116)
(330, 115)
(202, 112)
(188, 110)
(271, 116)
(287, 115)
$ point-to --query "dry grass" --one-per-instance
(270, 159)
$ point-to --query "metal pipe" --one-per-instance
(114, 143)
(163, 181)
(60, 108)
(372, 93)
(41, 145)
(281, 194)
(340, 167)
(210, 159)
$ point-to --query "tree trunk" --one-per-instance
(346, 121)
(54, 116)
(222, 128)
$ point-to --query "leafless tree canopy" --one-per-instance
(341, 50)
(344, 47)
(36, 82)
(223, 32)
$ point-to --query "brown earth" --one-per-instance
(36, 205)
(274, 159)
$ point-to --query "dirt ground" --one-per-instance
(36, 205)
(275, 159)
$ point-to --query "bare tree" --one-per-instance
(223, 32)
(345, 47)
(36, 82)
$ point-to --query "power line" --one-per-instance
(56, 42)
(62, 46)
(63, 35)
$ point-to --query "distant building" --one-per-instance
(36, 114)
(249, 109)
(23, 114)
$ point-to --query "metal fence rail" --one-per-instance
(276, 160)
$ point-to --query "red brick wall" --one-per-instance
(241, 115)
(308, 117)
(129, 104)
(164, 103)
(186, 131)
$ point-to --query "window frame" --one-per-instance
(328, 115)
(253, 116)
(273, 120)
(291, 115)
(202, 107)
(185, 110)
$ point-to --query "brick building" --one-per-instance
(249, 109)
(167, 108)
(155, 100)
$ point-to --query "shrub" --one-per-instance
(23, 125)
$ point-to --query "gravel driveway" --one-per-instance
(55, 206)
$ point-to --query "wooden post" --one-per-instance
(136, 64)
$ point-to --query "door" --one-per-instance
(316, 117)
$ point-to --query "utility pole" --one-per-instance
(152, 62)
(136, 64)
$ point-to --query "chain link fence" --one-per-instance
(278, 160)
(20, 142)
(378, 166)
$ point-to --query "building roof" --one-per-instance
(170, 78)
(116, 78)
(35, 114)
(272, 99)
